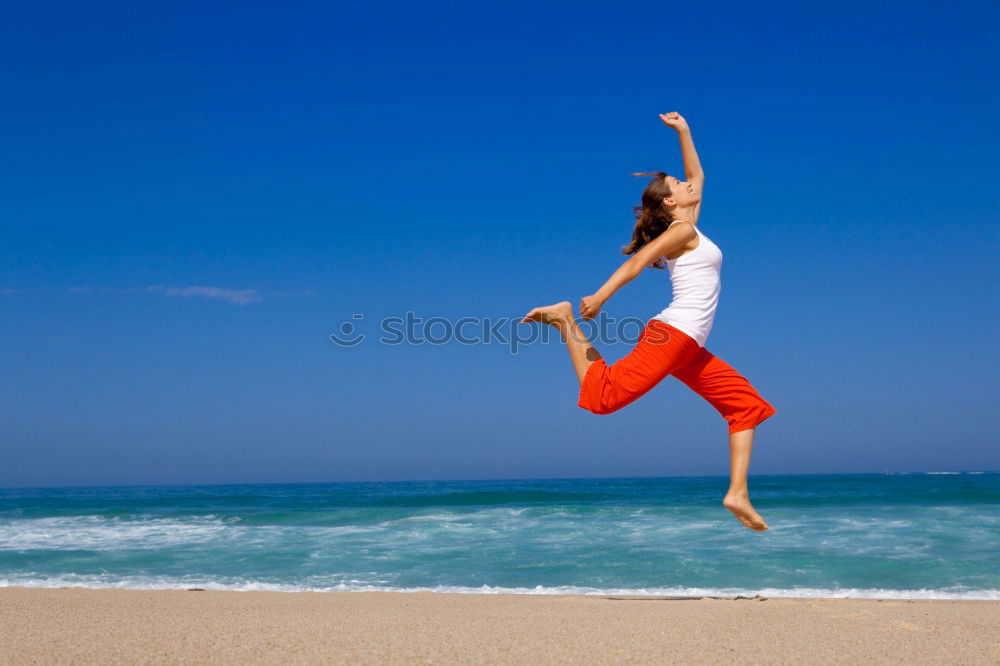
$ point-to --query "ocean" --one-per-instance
(914, 536)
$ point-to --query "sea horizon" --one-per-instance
(487, 479)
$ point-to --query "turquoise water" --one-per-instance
(909, 536)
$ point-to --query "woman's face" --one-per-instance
(681, 193)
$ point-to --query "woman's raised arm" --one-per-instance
(692, 165)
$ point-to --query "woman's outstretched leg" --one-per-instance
(738, 498)
(607, 388)
(560, 315)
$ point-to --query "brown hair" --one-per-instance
(651, 218)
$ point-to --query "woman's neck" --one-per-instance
(683, 214)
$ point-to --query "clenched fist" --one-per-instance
(590, 306)
(675, 120)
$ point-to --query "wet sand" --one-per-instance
(81, 626)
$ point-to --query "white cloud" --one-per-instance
(234, 296)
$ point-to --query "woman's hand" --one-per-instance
(590, 306)
(674, 120)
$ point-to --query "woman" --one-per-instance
(673, 342)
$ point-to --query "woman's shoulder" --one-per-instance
(693, 225)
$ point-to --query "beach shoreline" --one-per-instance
(84, 625)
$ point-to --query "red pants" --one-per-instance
(664, 350)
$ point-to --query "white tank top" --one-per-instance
(696, 280)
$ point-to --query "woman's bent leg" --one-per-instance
(560, 315)
(726, 390)
(737, 498)
(660, 350)
(743, 408)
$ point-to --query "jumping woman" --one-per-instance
(673, 342)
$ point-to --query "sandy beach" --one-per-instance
(76, 625)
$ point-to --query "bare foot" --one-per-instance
(740, 505)
(550, 314)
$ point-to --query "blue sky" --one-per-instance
(194, 197)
